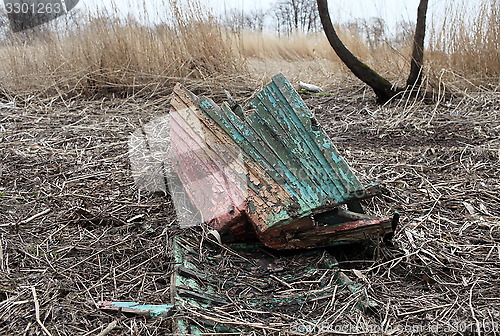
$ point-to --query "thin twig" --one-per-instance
(37, 311)
(112, 325)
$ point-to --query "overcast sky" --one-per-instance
(391, 11)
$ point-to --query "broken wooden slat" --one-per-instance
(321, 139)
(152, 311)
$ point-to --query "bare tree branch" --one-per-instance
(383, 89)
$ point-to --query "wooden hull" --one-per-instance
(268, 170)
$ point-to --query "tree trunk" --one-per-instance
(417, 57)
(382, 87)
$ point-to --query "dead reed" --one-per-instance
(464, 48)
(106, 54)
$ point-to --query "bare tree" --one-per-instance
(254, 20)
(234, 20)
(404, 33)
(417, 56)
(238, 20)
(296, 15)
(354, 28)
(383, 89)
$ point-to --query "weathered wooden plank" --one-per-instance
(310, 266)
(231, 154)
(245, 137)
(212, 190)
(307, 143)
(272, 203)
(273, 167)
(282, 174)
(285, 147)
(251, 147)
(147, 310)
(321, 139)
(185, 118)
(225, 166)
(271, 114)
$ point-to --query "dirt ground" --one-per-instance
(75, 230)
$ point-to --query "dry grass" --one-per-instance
(465, 48)
(315, 47)
(75, 230)
(106, 54)
(105, 240)
(296, 47)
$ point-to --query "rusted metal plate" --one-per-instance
(270, 166)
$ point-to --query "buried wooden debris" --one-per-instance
(364, 303)
(268, 170)
(237, 283)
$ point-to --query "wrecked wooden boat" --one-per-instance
(269, 171)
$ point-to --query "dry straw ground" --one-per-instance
(75, 230)
(103, 239)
